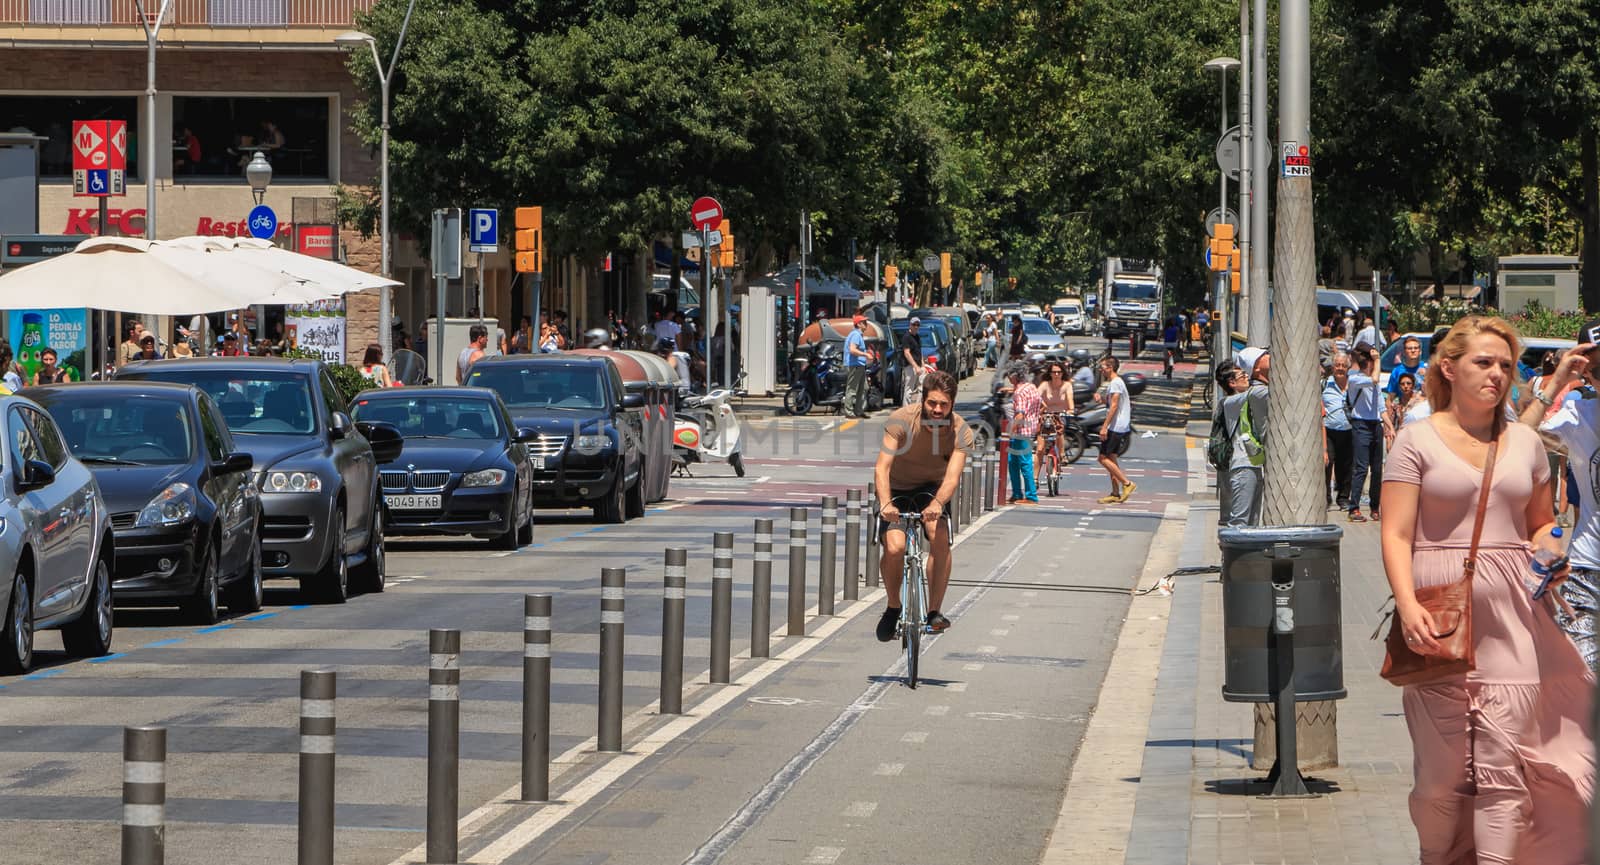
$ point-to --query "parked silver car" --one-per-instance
(56, 550)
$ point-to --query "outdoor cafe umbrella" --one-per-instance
(147, 276)
(320, 275)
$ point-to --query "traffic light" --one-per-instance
(725, 249)
(1233, 281)
(891, 275)
(944, 270)
(1222, 250)
(530, 240)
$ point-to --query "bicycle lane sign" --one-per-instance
(263, 222)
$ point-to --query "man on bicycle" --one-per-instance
(925, 446)
(1055, 389)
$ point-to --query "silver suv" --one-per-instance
(55, 541)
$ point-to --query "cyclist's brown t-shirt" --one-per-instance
(924, 459)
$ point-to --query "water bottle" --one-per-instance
(1545, 563)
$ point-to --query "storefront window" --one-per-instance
(52, 116)
(215, 136)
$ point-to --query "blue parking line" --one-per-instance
(213, 628)
(104, 658)
(259, 616)
(162, 643)
(45, 674)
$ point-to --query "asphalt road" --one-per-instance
(820, 755)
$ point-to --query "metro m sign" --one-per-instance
(317, 241)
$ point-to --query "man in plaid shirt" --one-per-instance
(1026, 408)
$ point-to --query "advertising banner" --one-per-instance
(64, 330)
(317, 327)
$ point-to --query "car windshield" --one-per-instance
(432, 416)
(1037, 326)
(1066, 310)
(253, 401)
(543, 385)
(1133, 291)
(122, 429)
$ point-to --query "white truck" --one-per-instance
(1132, 293)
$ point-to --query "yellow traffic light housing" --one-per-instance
(891, 275)
(1234, 281)
(944, 270)
(529, 240)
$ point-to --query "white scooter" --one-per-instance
(707, 429)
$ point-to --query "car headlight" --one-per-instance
(591, 444)
(291, 482)
(484, 478)
(172, 506)
(1058, 346)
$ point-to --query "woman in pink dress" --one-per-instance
(1504, 766)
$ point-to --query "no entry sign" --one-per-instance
(706, 213)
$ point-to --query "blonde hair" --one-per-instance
(1453, 347)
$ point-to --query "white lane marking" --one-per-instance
(889, 769)
(956, 687)
(861, 810)
(1197, 482)
(914, 738)
(1010, 617)
(936, 710)
(988, 650)
(972, 668)
(824, 855)
(999, 632)
(1030, 594)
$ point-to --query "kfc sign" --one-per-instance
(317, 241)
(86, 220)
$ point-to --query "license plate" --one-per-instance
(538, 463)
(414, 502)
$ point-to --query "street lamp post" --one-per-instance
(259, 175)
(349, 40)
(1222, 340)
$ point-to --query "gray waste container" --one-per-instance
(1306, 560)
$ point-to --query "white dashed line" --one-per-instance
(861, 810)
(1010, 617)
(936, 710)
(956, 687)
(824, 855)
(914, 738)
(889, 769)
(999, 632)
(972, 668)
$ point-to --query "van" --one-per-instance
(1332, 302)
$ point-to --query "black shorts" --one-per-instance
(919, 494)
(1113, 443)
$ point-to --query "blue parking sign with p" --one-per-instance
(483, 229)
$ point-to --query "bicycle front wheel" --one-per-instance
(912, 629)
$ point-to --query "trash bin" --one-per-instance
(1304, 563)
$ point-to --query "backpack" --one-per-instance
(1219, 447)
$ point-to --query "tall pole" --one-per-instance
(385, 305)
(708, 303)
(1260, 142)
(1293, 474)
(152, 33)
(1222, 340)
(1246, 172)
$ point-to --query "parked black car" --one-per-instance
(587, 430)
(184, 512)
(464, 469)
(317, 472)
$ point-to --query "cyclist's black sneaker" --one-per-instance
(886, 624)
(937, 621)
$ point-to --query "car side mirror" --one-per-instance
(633, 400)
(385, 439)
(233, 463)
(526, 434)
(35, 474)
(340, 425)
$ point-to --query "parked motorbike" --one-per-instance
(819, 380)
(706, 428)
(1084, 426)
(409, 368)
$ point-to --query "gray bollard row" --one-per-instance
(535, 698)
(852, 545)
(828, 560)
(674, 581)
(612, 583)
(797, 572)
(761, 593)
(144, 796)
(989, 463)
(721, 606)
(317, 691)
(444, 743)
(872, 575)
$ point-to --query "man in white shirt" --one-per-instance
(1115, 430)
(1368, 333)
(1366, 424)
(667, 329)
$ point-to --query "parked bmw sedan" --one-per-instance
(55, 541)
(185, 514)
(316, 471)
(463, 469)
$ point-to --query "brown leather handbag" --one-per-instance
(1451, 608)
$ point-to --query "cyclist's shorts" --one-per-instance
(918, 493)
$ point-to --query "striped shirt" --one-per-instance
(1026, 405)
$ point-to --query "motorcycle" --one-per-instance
(1080, 431)
(409, 368)
(707, 428)
(819, 380)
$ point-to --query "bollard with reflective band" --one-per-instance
(612, 583)
(989, 463)
(872, 575)
(852, 545)
(970, 472)
(317, 691)
(444, 743)
(797, 572)
(761, 593)
(721, 606)
(535, 698)
(828, 560)
(673, 582)
(954, 507)
(144, 795)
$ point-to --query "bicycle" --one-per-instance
(913, 622)
(1051, 428)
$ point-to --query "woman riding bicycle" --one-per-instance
(1055, 389)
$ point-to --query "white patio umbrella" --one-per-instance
(330, 276)
(135, 275)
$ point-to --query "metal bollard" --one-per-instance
(444, 743)
(535, 698)
(827, 566)
(674, 580)
(872, 575)
(955, 511)
(970, 481)
(761, 593)
(612, 582)
(988, 482)
(144, 795)
(317, 691)
(852, 545)
(721, 606)
(797, 572)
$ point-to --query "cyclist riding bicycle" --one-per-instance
(925, 446)
(1055, 388)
